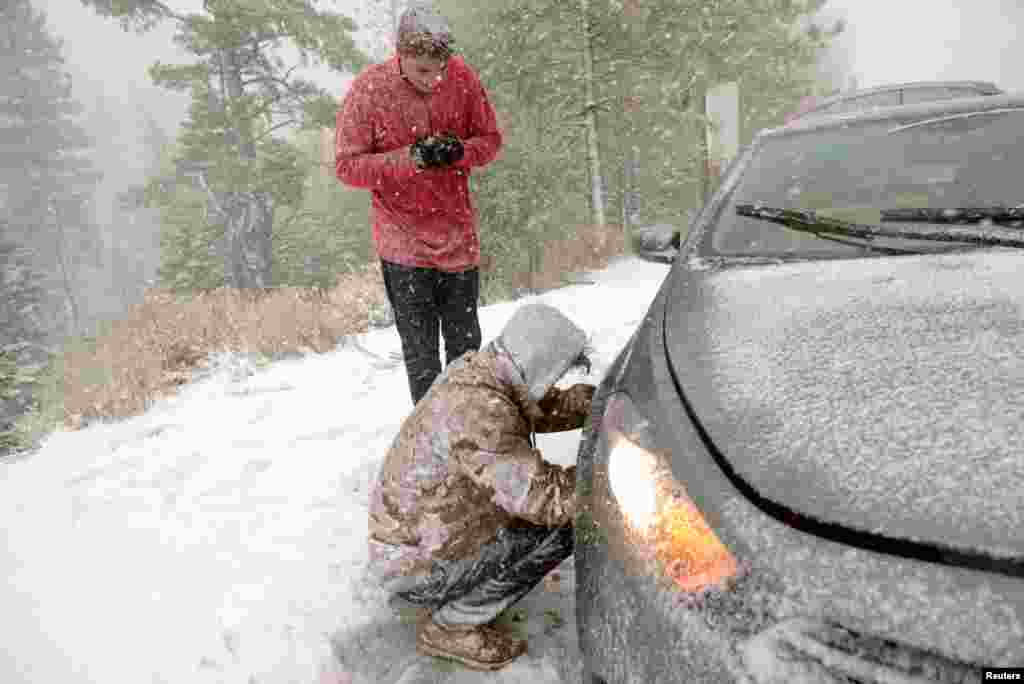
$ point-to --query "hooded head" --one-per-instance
(544, 344)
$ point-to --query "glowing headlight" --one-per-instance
(631, 477)
(657, 508)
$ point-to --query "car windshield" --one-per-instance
(865, 173)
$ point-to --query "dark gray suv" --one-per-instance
(807, 463)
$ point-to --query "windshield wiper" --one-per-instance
(809, 222)
(864, 244)
(818, 226)
(956, 215)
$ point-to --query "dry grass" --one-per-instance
(589, 249)
(156, 346)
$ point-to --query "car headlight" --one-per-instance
(666, 525)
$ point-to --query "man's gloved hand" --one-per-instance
(449, 149)
(437, 151)
(422, 153)
(578, 397)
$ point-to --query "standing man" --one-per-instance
(466, 516)
(410, 130)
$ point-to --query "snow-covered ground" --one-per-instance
(221, 536)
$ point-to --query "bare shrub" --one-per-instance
(154, 348)
(589, 248)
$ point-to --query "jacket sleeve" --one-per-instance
(484, 139)
(564, 410)
(356, 162)
(524, 484)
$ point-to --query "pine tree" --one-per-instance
(243, 97)
(45, 179)
(652, 61)
(189, 262)
(45, 185)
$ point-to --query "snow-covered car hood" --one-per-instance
(886, 394)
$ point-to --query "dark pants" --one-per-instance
(425, 302)
(475, 591)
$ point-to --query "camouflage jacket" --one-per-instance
(462, 466)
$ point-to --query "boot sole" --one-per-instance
(426, 649)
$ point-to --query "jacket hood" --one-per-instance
(543, 343)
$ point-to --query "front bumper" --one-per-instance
(799, 651)
(802, 612)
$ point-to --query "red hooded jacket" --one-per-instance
(420, 217)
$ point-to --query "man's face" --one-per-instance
(423, 72)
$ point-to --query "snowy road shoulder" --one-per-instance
(221, 536)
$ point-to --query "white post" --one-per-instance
(723, 133)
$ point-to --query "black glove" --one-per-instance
(437, 151)
(450, 149)
(579, 397)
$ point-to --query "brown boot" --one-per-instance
(479, 648)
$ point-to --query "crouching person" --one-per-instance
(466, 517)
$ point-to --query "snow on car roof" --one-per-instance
(982, 103)
(913, 85)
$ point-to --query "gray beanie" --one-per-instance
(421, 26)
(544, 343)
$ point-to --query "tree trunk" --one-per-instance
(631, 193)
(631, 209)
(248, 233)
(249, 216)
(700, 105)
(71, 304)
(593, 151)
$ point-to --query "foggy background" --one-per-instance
(916, 40)
(884, 42)
(128, 117)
